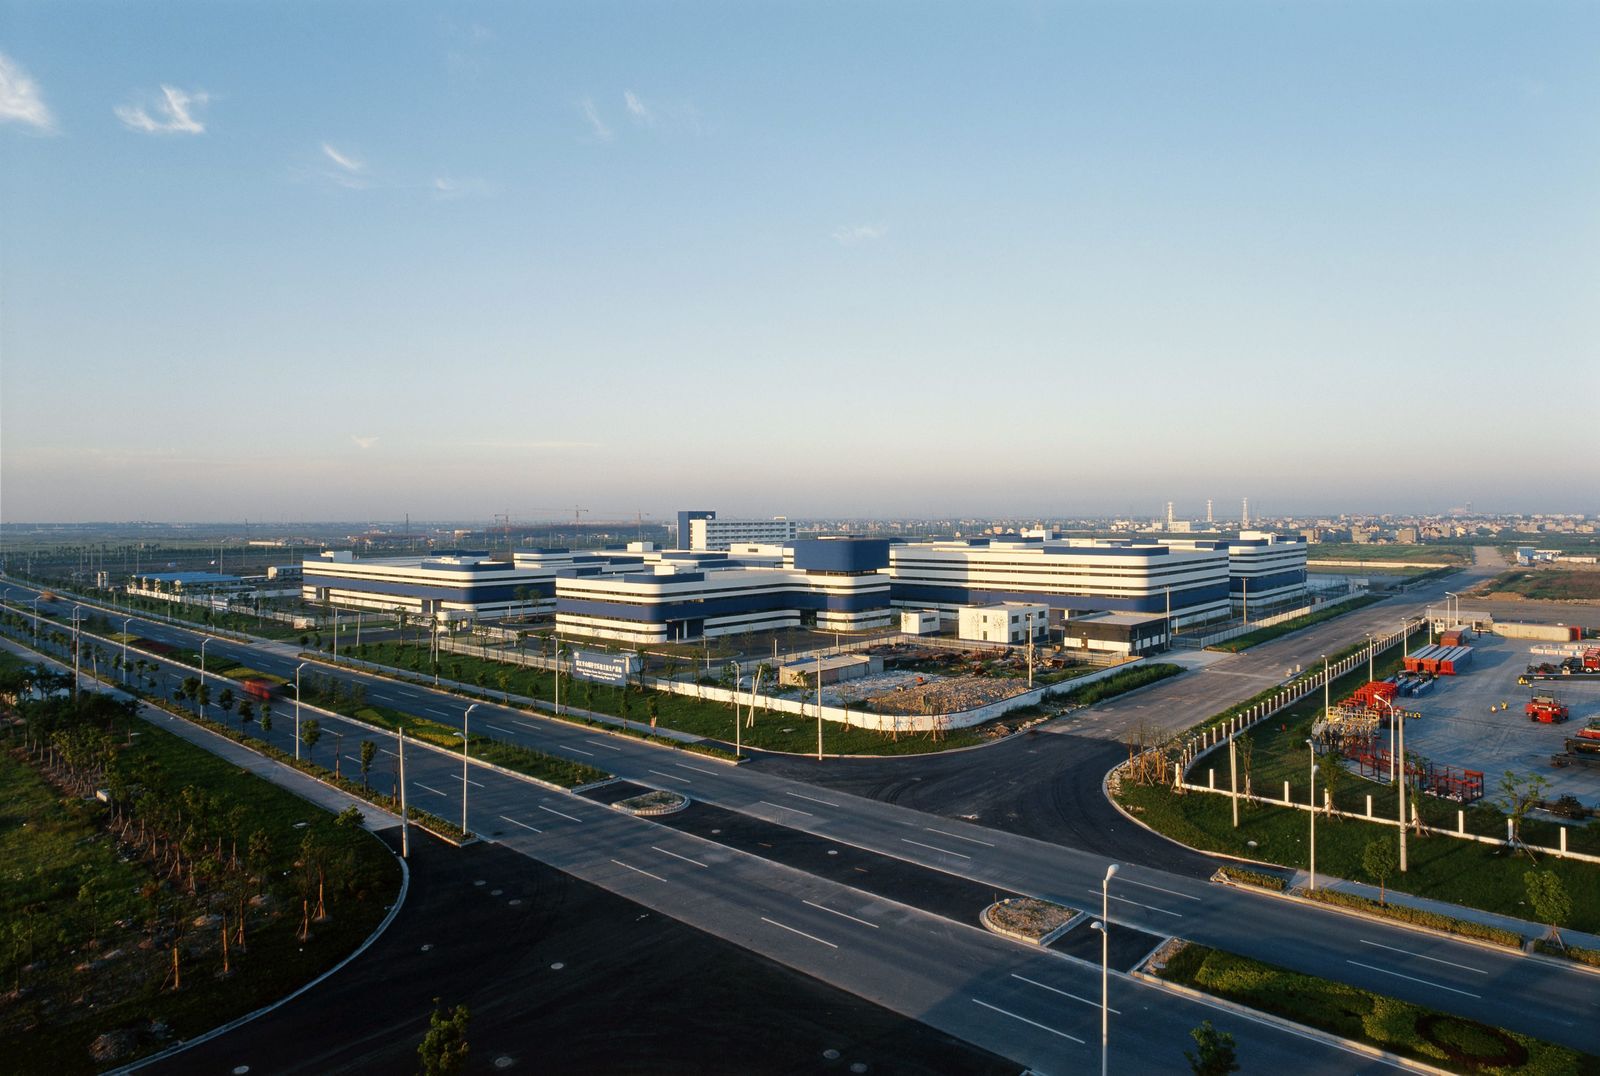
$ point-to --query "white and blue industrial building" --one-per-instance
(642, 595)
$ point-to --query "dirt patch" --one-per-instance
(1027, 917)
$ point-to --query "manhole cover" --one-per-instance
(496, 892)
(833, 851)
(557, 966)
(504, 1062)
(427, 947)
(858, 1066)
(480, 881)
(240, 1070)
(831, 1054)
(514, 901)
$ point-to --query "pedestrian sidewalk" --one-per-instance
(1526, 928)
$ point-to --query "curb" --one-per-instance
(655, 811)
(1286, 1024)
(987, 920)
(179, 1047)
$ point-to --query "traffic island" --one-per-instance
(1027, 919)
(653, 803)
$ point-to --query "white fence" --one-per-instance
(1203, 641)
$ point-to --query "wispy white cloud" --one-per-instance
(20, 100)
(450, 188)
(850, 234)
(343, 160)
(532, 446)
(637, 108)
(363, 442)
(598, 131)
(174, 113)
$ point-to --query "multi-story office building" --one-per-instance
(703, 531)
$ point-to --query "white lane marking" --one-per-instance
(636, 870)
(578, 751)
(1419, 956)
(781, 807)
(524, 724)
(841, 915)
(470, 781)
(957, 836)
(686, 859)
(696, 769)
(802, 933)
(813, 799)
(1031, 1023)
(353, 758)
(436, 710)
(524, 825)
(1151, 907)
(1063, 993)
(435, 791)
(497, 728)
(672, 777)
(1413, 978)
(386, 751)
(552, 810)
(597, 743)
(935, 848)
(1158, 889)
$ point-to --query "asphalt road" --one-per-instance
(1552, 1003)
(560, 974)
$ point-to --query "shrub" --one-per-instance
(1466, 928)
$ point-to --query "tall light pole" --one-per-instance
(1453, 611)
(819, 706)
(1105, 965)
(77, 616)
(297, 669)
(125, 624)
(1372, 653)
(405, 833)
(1402, 795)
(36, 598)
(1311, 802)
(466, 742)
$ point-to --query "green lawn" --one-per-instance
(53, 845)
(1548, 584)
(1452, 554)
(1399, 1027)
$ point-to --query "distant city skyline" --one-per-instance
(298, 262)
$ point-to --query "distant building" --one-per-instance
(703, 531)
(1006, 622)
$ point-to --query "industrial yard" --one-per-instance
(1477, 719)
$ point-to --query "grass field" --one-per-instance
(1400, 554)
(1399, 1027)
(92, 969)
(1549, 584)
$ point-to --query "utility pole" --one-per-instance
(819, 706)
(405, 832)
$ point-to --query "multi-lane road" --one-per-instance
(897, 927)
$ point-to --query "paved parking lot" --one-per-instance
(1457, 727)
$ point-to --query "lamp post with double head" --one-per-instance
(126, 621)
(297, 669)
(1311, 803)
(1105, 965)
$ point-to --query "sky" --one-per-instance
(288, 261)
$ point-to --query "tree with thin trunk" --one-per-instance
(369, 751)
(1519, 793)
(1378, 861)
(225, 700)
(1548, 897)
(310, 733)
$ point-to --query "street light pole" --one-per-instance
(1372, 653)
(125, 649)
(1402, 761)
(297, 669)
(1105, 965)
(405, 832)
(77, 616)
(1327, 708)
(1311, 802)
(466, 742)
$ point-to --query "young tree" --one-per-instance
(1332, 769)
(1379, 860)
(247, 712)
(1518, 794)
(654, 709)
(444, 1049)
(266, 717)
(1214, 1053)
(369, 751)
(310, 733)
(1549, 899)
(225, 700)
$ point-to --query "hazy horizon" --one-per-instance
(292, 262)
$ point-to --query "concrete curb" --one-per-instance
(177, 1048)
(656, 811)
(986, 917)
(1287, 1025)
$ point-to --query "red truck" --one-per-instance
(257, 688)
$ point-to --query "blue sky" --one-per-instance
(290, 261)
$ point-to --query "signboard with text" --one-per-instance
(603, 666)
